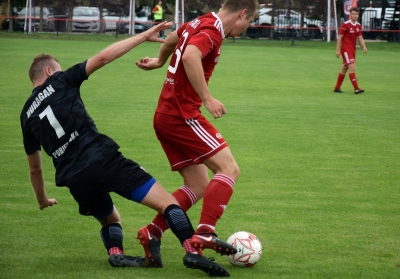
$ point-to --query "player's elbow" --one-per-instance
(187, 58)
(104, 57)
(35, 171)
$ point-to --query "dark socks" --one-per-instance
(178, 222)
(112, 238)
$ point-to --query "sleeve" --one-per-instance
(75, 75)
(181, 29)
(205, 41)
(360, 31)
(342, 29)
(31, 144)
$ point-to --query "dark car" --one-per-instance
(256, 30)
(17, 25)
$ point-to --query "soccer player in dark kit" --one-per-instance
(88, 162)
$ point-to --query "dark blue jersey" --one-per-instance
(55, 118)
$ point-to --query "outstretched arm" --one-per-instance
(164, 53)
(118, 49)
(36, 176)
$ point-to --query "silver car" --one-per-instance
(47, 19)
(86, 19)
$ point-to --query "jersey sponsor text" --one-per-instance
(60, 151)
(39, 98)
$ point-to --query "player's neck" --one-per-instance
(228, 21)
(39, 82)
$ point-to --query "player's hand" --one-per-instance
(337, 54)
(365, 49)
(148, 63)
(47, 203)
(151, 34)
(215, 107)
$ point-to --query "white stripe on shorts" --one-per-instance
(346, 57)
(203, 134)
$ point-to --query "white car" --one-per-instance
(142, 22)
(86, 19)
(261, 26)
(289, 27)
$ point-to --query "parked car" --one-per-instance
(5, 25)
(86, 19)
(143, 21)
(141, 25)
(47, 19)
(261, 26)
(289, 27)
(110, 20)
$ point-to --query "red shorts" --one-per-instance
(187, 141)
(348, 57)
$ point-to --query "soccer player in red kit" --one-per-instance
(346, 46)
(192, 144)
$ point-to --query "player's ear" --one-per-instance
(243, 14)
(48, 71)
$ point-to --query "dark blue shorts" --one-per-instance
(91, 187)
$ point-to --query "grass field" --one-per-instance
(320, 172)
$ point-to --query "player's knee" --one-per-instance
(232, 170)
(198, 188)
(236, 172)
(114, 217)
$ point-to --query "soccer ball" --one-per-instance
(249, 249)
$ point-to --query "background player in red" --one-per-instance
(88, 162)
(346, 46)
(192, 144)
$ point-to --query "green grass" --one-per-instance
(320, 172)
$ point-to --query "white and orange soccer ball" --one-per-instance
(249, 249)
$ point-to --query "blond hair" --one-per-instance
(234, 6)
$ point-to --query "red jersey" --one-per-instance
(350, 32)
(178, 96)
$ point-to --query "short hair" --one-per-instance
(355, 9)
(39, 63)
(238, 5)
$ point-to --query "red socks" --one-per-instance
(339, 81)
(187, 245)
(353, 80)
(115, 250)
(216, 198)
